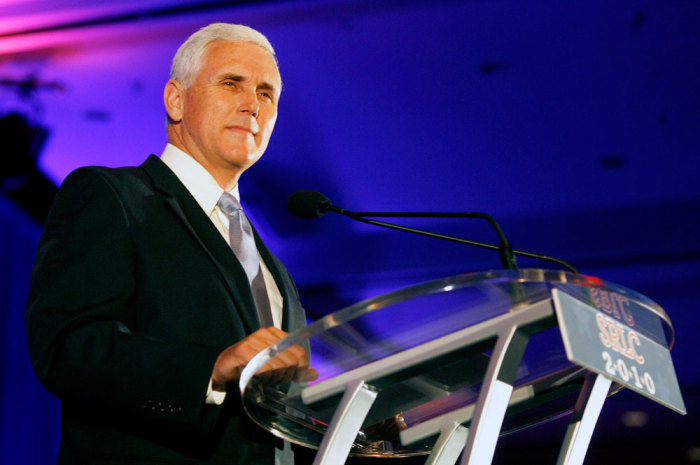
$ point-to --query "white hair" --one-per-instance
(187, 60)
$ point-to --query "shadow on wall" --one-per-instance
(20, 178)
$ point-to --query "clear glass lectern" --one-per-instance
(447, 366)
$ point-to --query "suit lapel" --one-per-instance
(207, 236)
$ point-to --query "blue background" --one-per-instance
(576, 124)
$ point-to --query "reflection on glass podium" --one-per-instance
(446, 367)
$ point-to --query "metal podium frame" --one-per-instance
(508, 334)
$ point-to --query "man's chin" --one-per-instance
(243, 161)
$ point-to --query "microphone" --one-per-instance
(307, 204)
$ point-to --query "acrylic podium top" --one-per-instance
(397, 326)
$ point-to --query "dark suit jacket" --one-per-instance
(134, 295)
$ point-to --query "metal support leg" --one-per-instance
(345, 424)
(580, 430)
(449, 445)
(494, 397)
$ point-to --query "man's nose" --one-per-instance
(250, 104)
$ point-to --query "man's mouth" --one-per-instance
(243, 129)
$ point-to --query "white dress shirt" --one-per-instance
(205, 190)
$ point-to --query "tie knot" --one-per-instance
(228, 204)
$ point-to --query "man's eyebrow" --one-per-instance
(232, 77)
(268, 86)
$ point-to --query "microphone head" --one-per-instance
(308, 204)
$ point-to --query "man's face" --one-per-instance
(227, 115)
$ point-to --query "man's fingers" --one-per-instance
(287, 359)
(266, 336)
(286, 366)
(230, 363)
(290, 365)
(258, 341)
(276, 331)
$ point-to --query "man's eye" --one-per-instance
(229, 83)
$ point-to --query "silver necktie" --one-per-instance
(240, 235)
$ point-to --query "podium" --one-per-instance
(446, 367)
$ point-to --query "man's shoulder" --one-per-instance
(119, 177)
(112, 172)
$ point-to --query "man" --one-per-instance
(141, 317)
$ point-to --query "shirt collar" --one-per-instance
(195, 177)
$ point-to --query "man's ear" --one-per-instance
(173, 97)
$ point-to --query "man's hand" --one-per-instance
(292, 364)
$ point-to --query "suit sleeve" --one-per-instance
(82, 318)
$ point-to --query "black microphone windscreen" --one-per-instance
(308, 204)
